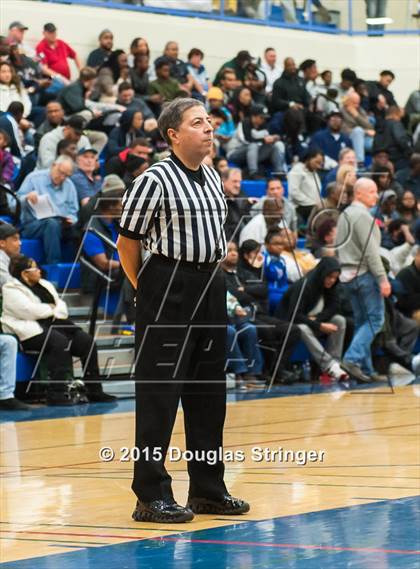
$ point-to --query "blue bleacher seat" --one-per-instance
(254, 188)
(6, 219)
(60, 274)
(25, 366)
(301, 243)
(33, 248)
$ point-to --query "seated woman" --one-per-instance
(244, 279)
(33, 311)
(244, 356)
(312, 303)
(305, 184)
(131, 127)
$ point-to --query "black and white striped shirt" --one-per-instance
(177, 212)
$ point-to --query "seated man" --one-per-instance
(164, 88)
(271, 218)
(72, 130)
(59, 199)
(408, 293)
(312, 303)
(9, 248)
(331, 140)
(252, 144)
(8, 354)
(86, 182)
(237, 203)
(275, 190)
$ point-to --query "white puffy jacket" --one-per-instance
(22, 308)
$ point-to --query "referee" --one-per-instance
(176, 211)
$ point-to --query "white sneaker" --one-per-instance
(337, 372)
(416, 365)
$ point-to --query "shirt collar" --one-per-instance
(196, 175)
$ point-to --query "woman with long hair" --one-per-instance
(11, 89)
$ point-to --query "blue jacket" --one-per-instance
(324, 140)
(276, 276)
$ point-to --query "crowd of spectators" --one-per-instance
(69, 148)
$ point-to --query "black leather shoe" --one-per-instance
(161, 512)
(100, 397)
(13, 404)
(227, 506)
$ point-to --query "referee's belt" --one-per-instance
(203, 267)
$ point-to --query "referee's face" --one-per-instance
(195, 134)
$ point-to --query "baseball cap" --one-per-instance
(215, 93)
(335, 114)
(258, 110)
(50, 27)
(111, 183)
(77, 123)
(7, 230)
(86, 150)
(19, 25)
(386, 195)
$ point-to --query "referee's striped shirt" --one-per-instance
(177, 212)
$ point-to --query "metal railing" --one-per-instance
(352, 17)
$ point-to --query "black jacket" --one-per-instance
(121, 137)
(409, 295)
(72, 98)
(289, 88)
(392, 137)
(312, 293)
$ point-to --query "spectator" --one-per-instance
(275, 271)
(379, 90)
(255, 81)
(298, 263)
(409, 289)
(412, 110)
(73, 98)
(244, 280)
(313, 303)
(409, 177)
(228, 83)
(7, 166)
(241, 104)
(117, 164)
(357, 125)
(364, 276)
(346, 85)
(271, 217)
(72, 130)
(252, 145)
(67, 148)
(329, 209)
(244, 357)
(117, 62)
(198, 72)
(135, 165)
(407, 207)
(331, 139)
(140, 76)
(33, 311)
(304, 183)
(396, 238)
(238, 65)
(345, 180)
(62, 199)
(345, 156)
(138, 46)
(16, 36)
(289, 89)
(271, 69)
(85, 181)
(54, 117)
(126, 98)
(12, 90)
(327, 80)
(325, 238)
(9, 247)
(237, 203)
(112, 187)
(101, 54)
(130, 128)
(275, 190)
(164, 88)
(11, 122)
(53, 54)
(392, 137)
(178, 69)
(309, 73)
(8, 356)
(384, 179)
(221, 165)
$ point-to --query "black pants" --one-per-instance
(180, 355)
(58, 343)
(272, 333)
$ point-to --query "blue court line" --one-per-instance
(380, 534)
(128, 405)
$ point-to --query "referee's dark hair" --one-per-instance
(172, 113)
